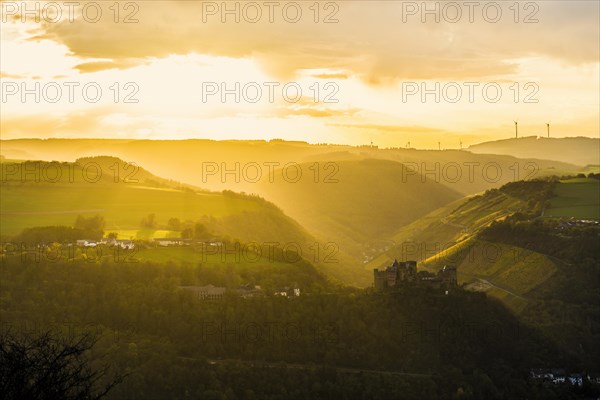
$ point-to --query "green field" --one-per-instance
(578, 198)
(208, 255)
(122, 205)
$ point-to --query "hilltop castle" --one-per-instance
(407, 272)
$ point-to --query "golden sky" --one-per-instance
(350, 72)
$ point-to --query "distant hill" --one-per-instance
(232, 165)
(574, 150)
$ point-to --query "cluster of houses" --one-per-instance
(129, 244)
(558, 376)
(170, 242)
(577, 223)
(211, 292)
(407, 272)
(288, 292)
(124, 244)
(208, 292)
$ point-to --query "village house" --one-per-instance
(558, 376)
(594, 377)
(576, 379)
(249, 290)
(168, 242)
(288, 292)
(86, 243)
(211, 292)
(125, 244)
(208, 292)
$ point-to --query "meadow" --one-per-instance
(578, 198)
(122, 205)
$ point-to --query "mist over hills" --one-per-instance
(212, 164)
(360, 205)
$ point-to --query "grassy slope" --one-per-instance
(448, 225)
(506, 272)
(511, 273)
(123, 206)
(578, 198)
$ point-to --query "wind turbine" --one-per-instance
(548, 128)
(461, 144)
(516, 129)
(439, 146)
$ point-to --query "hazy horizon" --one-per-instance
(273, 140)
(455, 74)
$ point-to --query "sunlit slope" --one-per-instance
(448, 225)
(30, 200)
(205, 163)
(361, 204)
(504, 271)
(33, 196)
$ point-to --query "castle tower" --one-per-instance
(379, 279)
(448, 276)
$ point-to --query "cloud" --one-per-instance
(5, 75)
(317, 112)
(76, 124)
(338, 75)
(96, 66)
(370, 40)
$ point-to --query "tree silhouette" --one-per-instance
(48, 367)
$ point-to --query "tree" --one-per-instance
(174, 224)
(200, 231)
(149, 222)
(48, 367)
(187, 233)
(92, 227)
